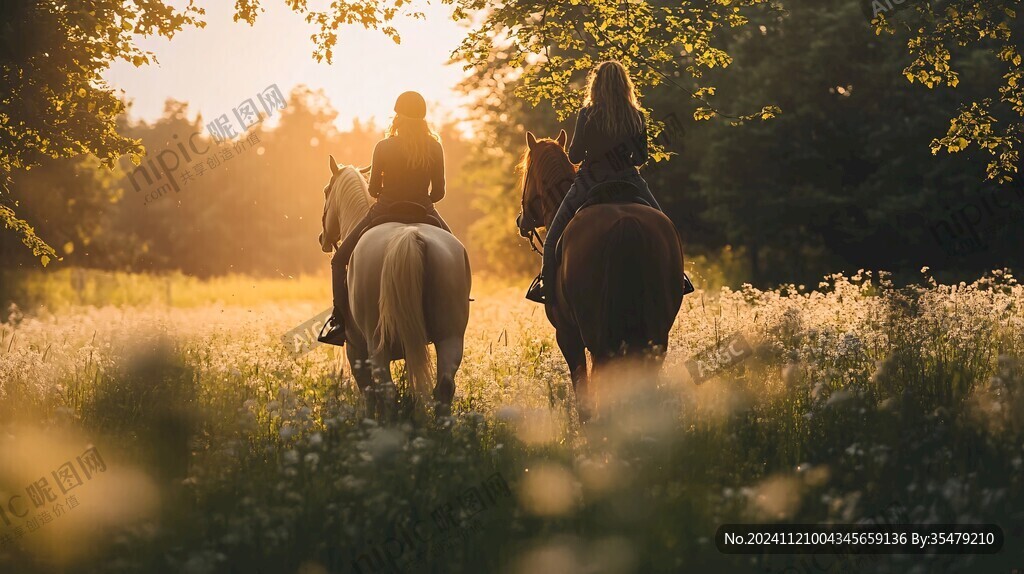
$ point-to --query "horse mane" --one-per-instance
(553, 163)
(351, 198)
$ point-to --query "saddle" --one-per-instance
(614, 192)
(405, 212)
(608, 192)
(617, 192)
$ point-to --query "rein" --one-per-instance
(534, 240)
(530, 233)
(527, 225)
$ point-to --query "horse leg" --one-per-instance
(655, 358)
(359, 361)
(648, 359)
(362, 369)
(449, 358)
(575, 353)
(358, 355)
(383, 390)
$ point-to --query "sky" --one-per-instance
(217, 67)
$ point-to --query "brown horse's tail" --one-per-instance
(632, 311)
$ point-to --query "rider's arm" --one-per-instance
(578, 147)
(437, 176)
(641, 155)
(377, 171)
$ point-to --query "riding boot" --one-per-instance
(333, 332)
(687, 285)
(537, 291)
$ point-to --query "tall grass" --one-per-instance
(58, 290)
(227, 454)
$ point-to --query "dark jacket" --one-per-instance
(604, 156)
(392, 179)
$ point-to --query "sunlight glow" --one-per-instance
(215, 68)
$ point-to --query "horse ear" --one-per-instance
(334, 166)
(531, 140)
(562, 138)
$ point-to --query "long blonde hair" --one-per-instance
(416, 137)
(612, 99)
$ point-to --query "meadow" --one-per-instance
(193, 441)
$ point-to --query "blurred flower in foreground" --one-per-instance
(549, 490)
(775, 498)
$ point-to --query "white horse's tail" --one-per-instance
(401, 307)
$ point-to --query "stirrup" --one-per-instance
(332, 333)
(687, 285)
(536, 291)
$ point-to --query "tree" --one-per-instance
(554, 44)
(501, 120)
(55, 103)
(527, 64)
(70, 203)
(251, 204)
(943, 29)
(844, 179)
(370, 14)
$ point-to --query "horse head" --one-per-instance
(346, 201)
(547, 175)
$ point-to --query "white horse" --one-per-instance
(408, 286)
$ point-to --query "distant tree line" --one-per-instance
(251, 204)
(841, 134)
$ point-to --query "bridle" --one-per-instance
(526, 222)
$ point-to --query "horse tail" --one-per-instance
(629, 305)
(402, 318)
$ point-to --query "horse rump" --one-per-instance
(623, 273)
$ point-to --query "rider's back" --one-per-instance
(604, 153)
(394, 178)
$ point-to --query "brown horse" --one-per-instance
(619, 283)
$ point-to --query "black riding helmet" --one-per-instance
(412, 105)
